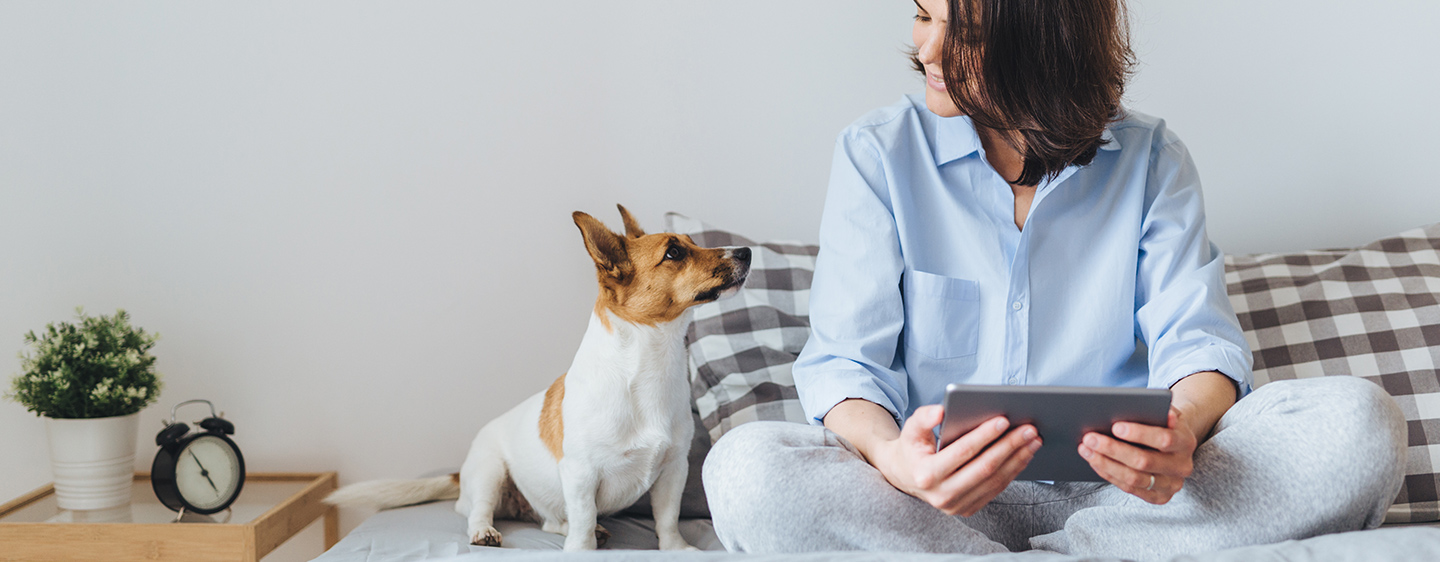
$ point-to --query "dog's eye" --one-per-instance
(674, 253)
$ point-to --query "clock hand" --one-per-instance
(204, 472)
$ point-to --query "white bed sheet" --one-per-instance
(434, 531)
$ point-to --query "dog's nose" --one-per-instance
(742, 254)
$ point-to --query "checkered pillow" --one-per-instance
(1371, 312)
(741, 348)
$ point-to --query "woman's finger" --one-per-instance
(968, 446)
(1129, 480)
(989, 462)
(993, 457)
(1158, 438)
(1149, 462)
(970, 502)
(920, 428)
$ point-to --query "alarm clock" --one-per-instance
(197, 472)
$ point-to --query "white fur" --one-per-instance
(383, 494)
(627, 429)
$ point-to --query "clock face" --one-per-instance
(207, 472)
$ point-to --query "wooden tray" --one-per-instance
(271, 508)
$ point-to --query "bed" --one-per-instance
(433, 531)
(1371, 312)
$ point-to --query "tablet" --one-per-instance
(1062, 415)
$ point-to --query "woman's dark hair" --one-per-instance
(1045, 74)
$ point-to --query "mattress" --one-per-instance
(433, 531)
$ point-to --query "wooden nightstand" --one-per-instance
(271, 509)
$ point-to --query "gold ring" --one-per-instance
(1151, 487)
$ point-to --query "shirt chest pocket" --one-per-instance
(942, 314)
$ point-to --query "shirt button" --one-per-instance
(1017, 306)
(1014, 380)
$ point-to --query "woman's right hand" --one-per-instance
(965, 475)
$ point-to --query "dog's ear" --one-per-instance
(632, 228)
(605, 247)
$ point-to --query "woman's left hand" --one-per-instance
(1154, 476)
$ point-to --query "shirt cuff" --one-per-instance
(818, 399)
(1212, 357)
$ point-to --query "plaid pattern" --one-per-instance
(1371, 312)
(742, 348)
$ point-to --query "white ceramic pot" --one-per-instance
(93, 460)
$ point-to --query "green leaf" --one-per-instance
(98, 367)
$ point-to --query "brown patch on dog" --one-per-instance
(552, 424)
(651, 279)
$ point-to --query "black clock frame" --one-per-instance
(162, 474)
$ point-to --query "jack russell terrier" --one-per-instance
(615, 425)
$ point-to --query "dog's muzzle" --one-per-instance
(739, 259)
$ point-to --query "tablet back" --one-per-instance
(1062, 414)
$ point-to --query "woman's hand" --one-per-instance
(1154, 476)
(966, 474)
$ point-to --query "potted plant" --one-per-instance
(89, 380)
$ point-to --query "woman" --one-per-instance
(1016, 226)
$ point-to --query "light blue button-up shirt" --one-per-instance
(923, 279)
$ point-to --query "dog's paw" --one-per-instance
(486, 537)
(578, 542)
(602, 535)
(675, 543)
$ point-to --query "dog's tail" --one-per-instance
(385, 494)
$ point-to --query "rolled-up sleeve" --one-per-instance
(1182, 311)
(856, 311)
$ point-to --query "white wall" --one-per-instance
(350, 221)
(1312, 122)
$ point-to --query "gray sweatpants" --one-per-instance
(1294, 459)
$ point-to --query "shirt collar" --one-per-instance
(955, 138)
(1111, 142)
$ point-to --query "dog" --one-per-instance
(612, 427)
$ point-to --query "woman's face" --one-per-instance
(929, 37)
